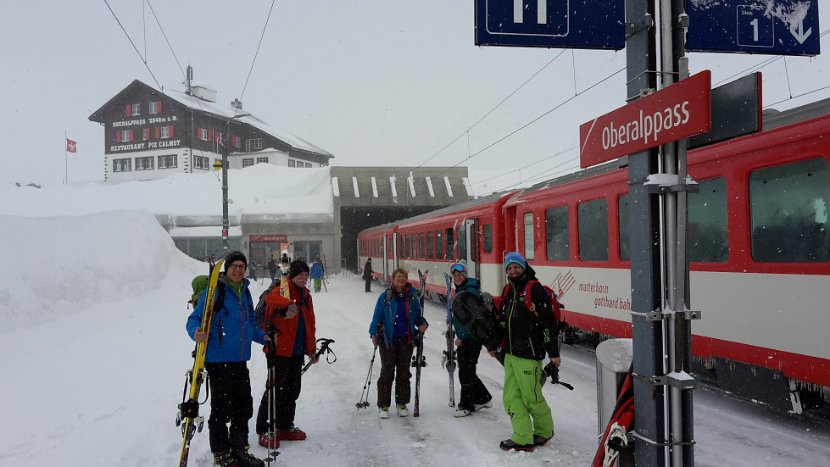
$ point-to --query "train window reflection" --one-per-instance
(450, 244)
(706, 238)
(556, 233)
(528, 222)
(488, 237)
(592, 219)
(439, 245)
(788, 212)
(429, 245)
(625, 234)
(462, 240)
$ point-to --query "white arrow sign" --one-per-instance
(797, 30)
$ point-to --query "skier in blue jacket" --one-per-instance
(232, 329)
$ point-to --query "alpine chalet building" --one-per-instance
(150, 134)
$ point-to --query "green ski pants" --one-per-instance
(523, 400)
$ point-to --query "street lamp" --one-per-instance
(225, 153)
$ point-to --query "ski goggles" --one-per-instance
(458, 267)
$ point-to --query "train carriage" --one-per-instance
(757, 244)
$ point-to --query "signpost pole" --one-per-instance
(644, 229)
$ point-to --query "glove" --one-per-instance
(292, 308)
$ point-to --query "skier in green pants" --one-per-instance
(530, 332)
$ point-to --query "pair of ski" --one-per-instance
(449, 355)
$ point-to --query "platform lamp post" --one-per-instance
(226, 150)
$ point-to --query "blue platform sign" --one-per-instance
(574, 24)
(775, 27)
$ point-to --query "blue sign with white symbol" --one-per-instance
(775, 27)
(576, 24)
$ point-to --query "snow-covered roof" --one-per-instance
(229, 112)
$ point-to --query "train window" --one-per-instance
(429, 245)
(450, 244)
(421, 245)
(556, 233)
(488, 237)
(625, 234)
(706, 238)
(592, 219)
(462, 241)
(788, 212)
(528, 223)
(439, 245)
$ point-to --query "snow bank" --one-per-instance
(96, 258)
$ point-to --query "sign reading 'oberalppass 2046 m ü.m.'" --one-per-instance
(676, 112)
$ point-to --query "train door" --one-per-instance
(395, 244)
(385, 257)
(468, 245)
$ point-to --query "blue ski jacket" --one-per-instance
(232, 328)
(317, 270)
(387, 307)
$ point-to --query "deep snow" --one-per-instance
(93, 354)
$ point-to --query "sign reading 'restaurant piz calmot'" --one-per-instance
(676, 112)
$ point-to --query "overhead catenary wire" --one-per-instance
(164, 34)
(256, 53)
(493, 109)
(143, 60)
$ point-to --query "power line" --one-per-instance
(143, 60)
(534, 120)
(165, 38)
(491, 110)
(264, 28)
(529, 165)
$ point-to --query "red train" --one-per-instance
(758, 246)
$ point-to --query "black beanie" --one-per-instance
(235, 256)
(297, 267)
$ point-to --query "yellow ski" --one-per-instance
(188, 416)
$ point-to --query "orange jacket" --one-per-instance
(287, 328)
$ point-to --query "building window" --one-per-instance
(124, 136)
(201, 163)
(203, 134)
(292, 163)
(165, 132)
(132, 109)
(136, 109)
(121, 165)
(145, 134)
(155, 107)
(168, 162)
(144, 163)
(308, 165)
(253, 144)
(236, 141)
(247, 162)
(261, 160)
(788, 208)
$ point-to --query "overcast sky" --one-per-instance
(375, 82)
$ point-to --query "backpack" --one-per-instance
(478, 317)
(553, 299)
(199, 284)
(262, 307)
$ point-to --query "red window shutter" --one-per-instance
(128, 110)
(210, 135)
(160, 107)
(170, 131)
(158, 132)
(117, 136)
(131, 136)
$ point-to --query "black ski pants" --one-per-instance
(368, 284)
(473, 390)
(230, 402)
(286, 381)
(394, 366)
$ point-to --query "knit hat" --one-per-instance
(235, 256)
(297, 267)
(514, 258)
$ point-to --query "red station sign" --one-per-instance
(676, 112)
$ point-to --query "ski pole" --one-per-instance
(324, 348)
(363, 403)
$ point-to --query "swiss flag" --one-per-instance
(71, 146)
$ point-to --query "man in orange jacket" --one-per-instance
(290, 319)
